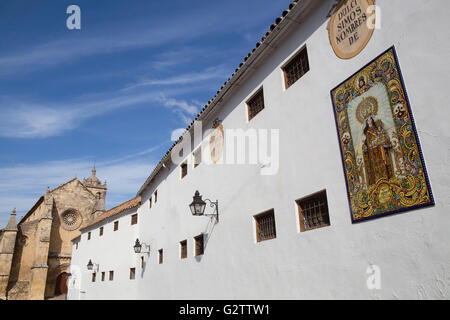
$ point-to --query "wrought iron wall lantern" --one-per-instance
(92, 266)
(198, 206)
(138, 247)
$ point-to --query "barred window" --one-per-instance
(132, 273)
(183, 249)
(183, 170)
(160, 256)
(265, 226)
(101, 231)
(134, 219)
(116, 225)
(296, 67)
(111, 275)
(199, 245)
(313, 211)
(103, 276)
(255, 104)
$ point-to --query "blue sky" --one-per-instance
(113, 92)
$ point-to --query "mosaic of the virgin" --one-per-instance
(382, 160)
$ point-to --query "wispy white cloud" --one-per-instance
(211, 73)
(183, 105)
(184, 109)
(31, 119)
(22, 185)
(56, 52)
(113, 38)
(44, 119)
(22, 119)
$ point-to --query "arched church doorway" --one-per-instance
(61, 284)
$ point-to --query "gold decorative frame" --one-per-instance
(383, 164)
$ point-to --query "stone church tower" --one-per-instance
(35, 253)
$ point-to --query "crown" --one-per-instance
(366, 108)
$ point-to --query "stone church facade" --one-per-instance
(35, 253)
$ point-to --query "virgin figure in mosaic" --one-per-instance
(381, 154)
(376, 145)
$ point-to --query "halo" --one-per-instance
(367, 107)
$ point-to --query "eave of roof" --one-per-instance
(261, 45)
(130, 204)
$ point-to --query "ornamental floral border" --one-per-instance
(381, 155)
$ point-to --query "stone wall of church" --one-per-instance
(43, 246)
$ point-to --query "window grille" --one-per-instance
(160, 256)
(199, 245)
(265, 226)
(183, 170)
(296, 68)
(255, 104)
(313, 211)
(183, 249)
(134, 219)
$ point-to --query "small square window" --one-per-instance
(116, 225)
(199, 245)
(183, 170)
(103, 276)
(255, 104)
(183, 249)
(160, 256)
(313, 211)
(265, 226)
(101, 231)
(132, 273)
(134, 219)
(89, 235)
(296, 67)
(111, 275)
(93, 277)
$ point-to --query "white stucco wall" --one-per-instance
(112, 252)
(411, 249)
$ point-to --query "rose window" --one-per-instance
(71, 220)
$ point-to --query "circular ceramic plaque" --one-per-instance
(351, 27)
